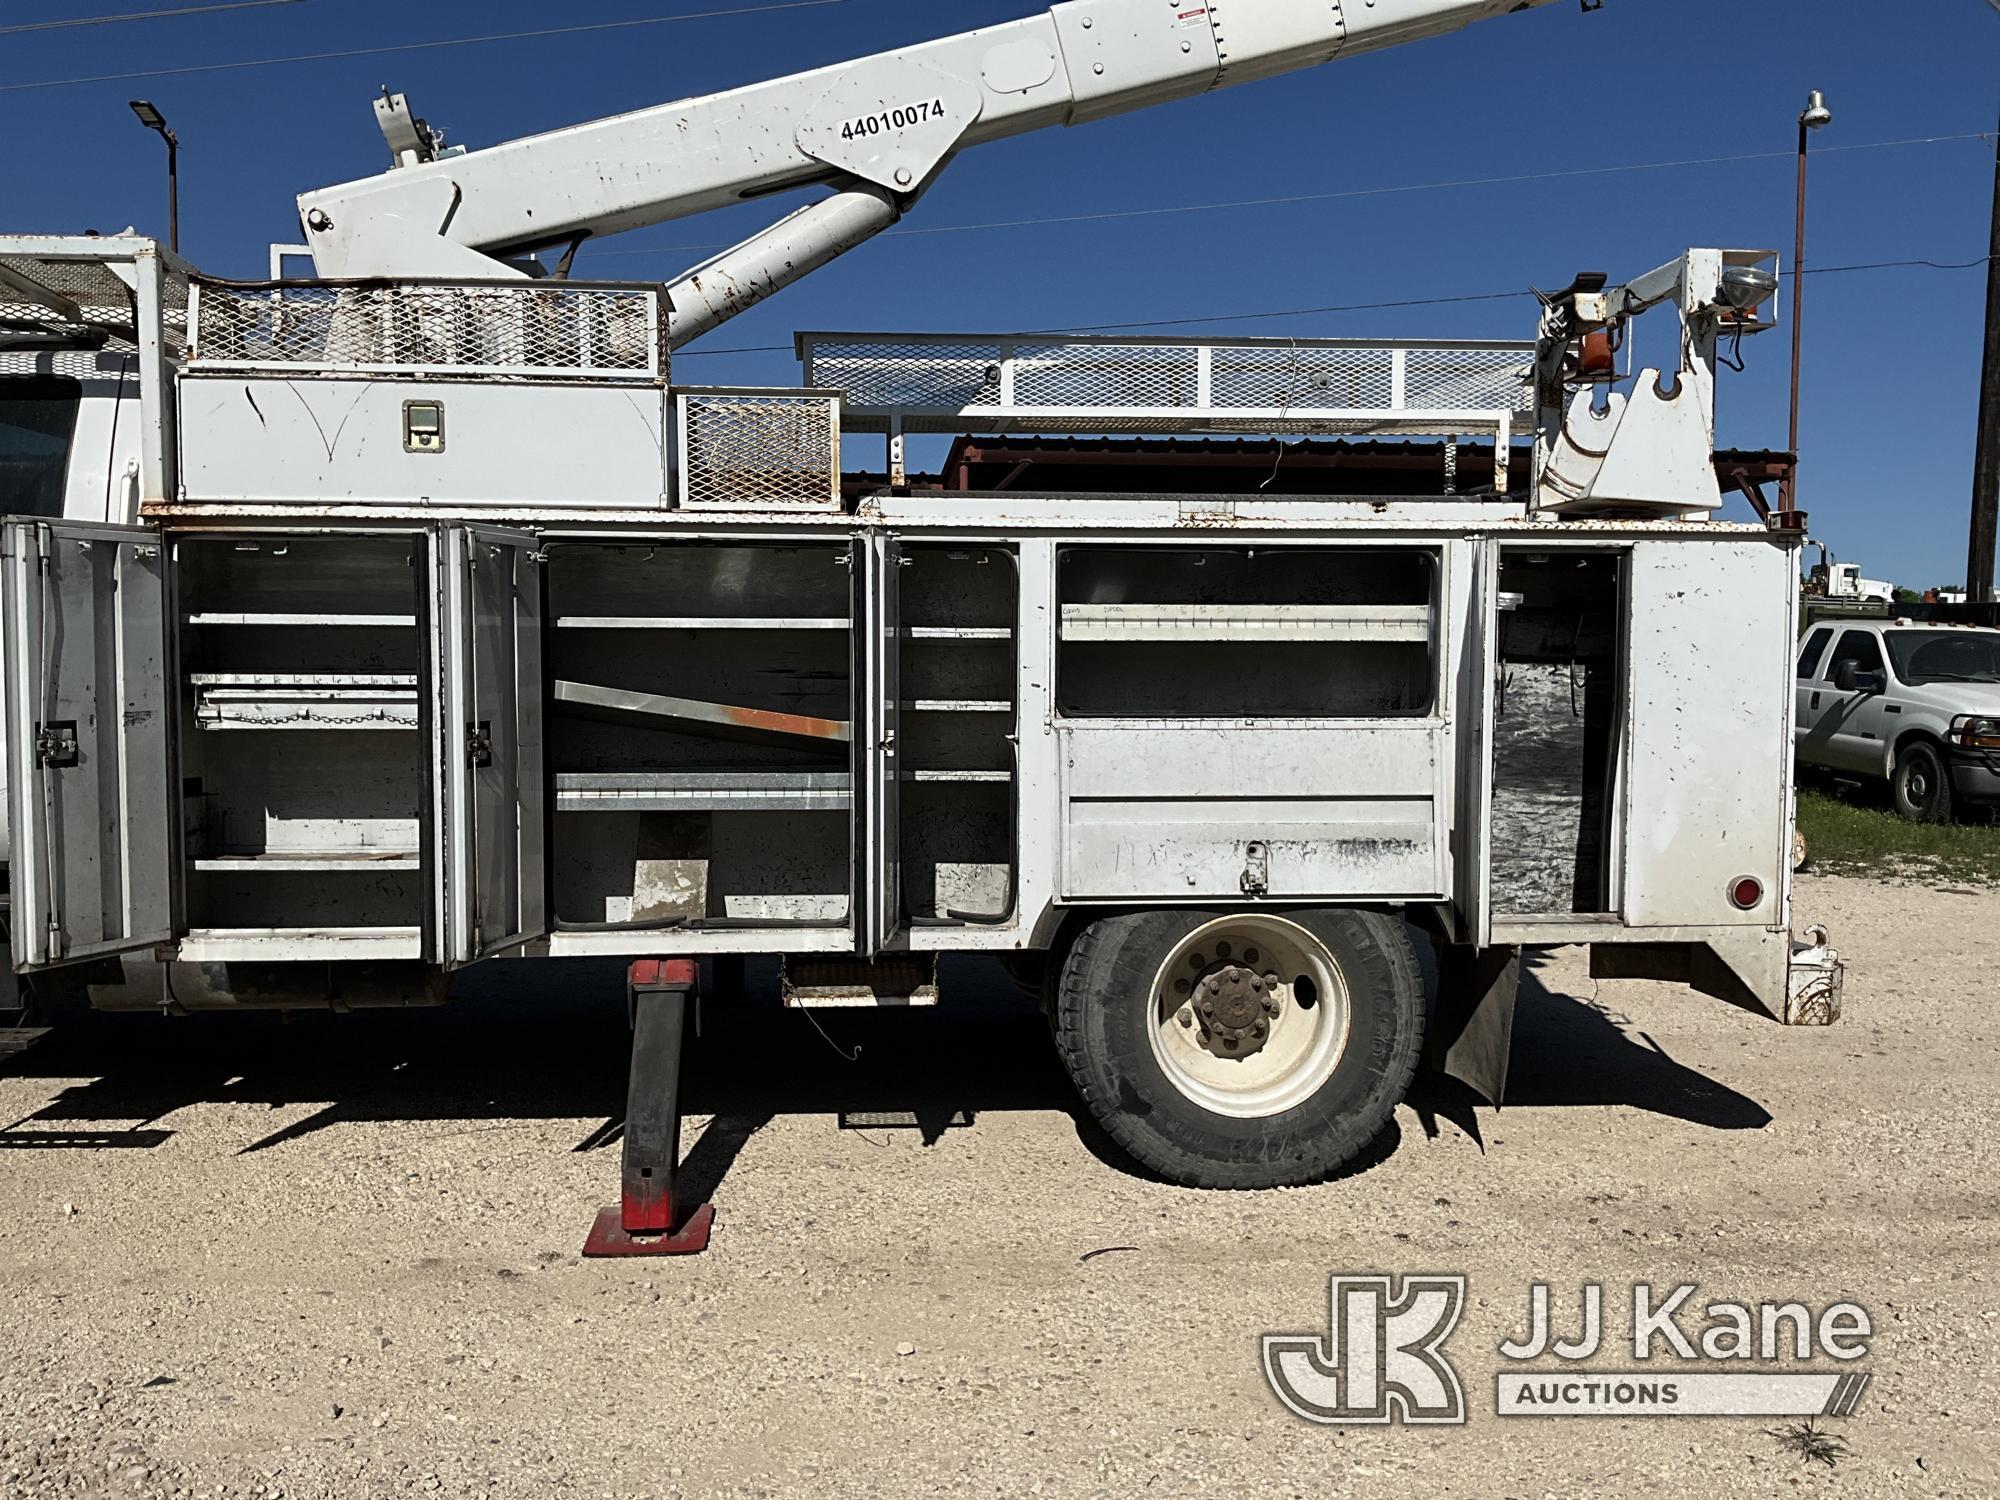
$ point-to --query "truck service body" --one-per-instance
(362, 629)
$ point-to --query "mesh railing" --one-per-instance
(106, 304)
(759, 450)
(526, 330)
(962, 383)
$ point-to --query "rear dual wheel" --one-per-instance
(1242, 1049)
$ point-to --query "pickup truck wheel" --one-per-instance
(1242, 1050)
(1921, 785)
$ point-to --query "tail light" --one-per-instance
(1746, 893)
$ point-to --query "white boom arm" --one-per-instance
(875, 130)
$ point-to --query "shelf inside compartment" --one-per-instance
(300, 944)
(739, 790)
(303, 861)
(958, 632)
(290, 618)
(1246, 622)
(305, 700)
(957, 706)
(701, 622)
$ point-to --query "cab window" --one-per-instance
(1859, 647)
(1809, 658)
(37, 424)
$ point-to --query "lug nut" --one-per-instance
(1259, 1029)
(1208, 1007)
(1229, 1041)
(1186, 1016)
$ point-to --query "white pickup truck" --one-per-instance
(1915, 704)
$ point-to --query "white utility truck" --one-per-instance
(364, 628)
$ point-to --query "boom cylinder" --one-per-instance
(771, 260)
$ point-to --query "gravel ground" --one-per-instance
(338, 1256)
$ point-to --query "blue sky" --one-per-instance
(1892, 357)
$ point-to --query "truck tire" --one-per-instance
(1921, 783)
(1241, 1049)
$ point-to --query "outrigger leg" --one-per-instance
(646, 1220)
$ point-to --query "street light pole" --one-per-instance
(1816, 116)
(153, 120)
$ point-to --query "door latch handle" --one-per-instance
(479, 744)
(56, 745)
(1256, 869)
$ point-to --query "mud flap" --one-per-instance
(1472, 1027)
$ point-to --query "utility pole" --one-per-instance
(1986, 464)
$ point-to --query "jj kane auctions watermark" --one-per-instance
(1382, 1358)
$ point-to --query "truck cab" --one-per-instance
(1914, 704)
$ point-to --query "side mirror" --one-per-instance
(1849, 678)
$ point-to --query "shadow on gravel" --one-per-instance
(1570, 1051)
(548, 1041)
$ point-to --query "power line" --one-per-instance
(1374, 192)
(1403, 302)
(142, 15)
(458, 41)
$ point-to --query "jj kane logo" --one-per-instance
(1382, 1357)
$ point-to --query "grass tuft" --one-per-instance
(1812, 1445)
(1846, 837)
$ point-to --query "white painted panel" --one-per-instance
(1202, 848)
(1172, 811)
(1237, 758)
(256, 438)
(1710, 730)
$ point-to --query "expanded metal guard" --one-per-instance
(105, 305)
(743, 449)
(964, 383)
(520, 330)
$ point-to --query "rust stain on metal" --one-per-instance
(777, 723)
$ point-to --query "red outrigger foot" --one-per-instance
(609, 1236)
(647, 1219)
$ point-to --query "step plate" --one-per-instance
(850, 983)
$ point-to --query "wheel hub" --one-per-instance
(1236, 1006)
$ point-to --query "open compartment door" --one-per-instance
(490, 829)
(91, 793)
(1472, 840)
(879, 761)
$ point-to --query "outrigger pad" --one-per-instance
(609, 1236)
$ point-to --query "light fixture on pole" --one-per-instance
(1815, 117)
(150, 117)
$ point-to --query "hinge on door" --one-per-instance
(1256, 869)
(56, 745)
(479, 744)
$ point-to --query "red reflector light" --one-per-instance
(1746, 893)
